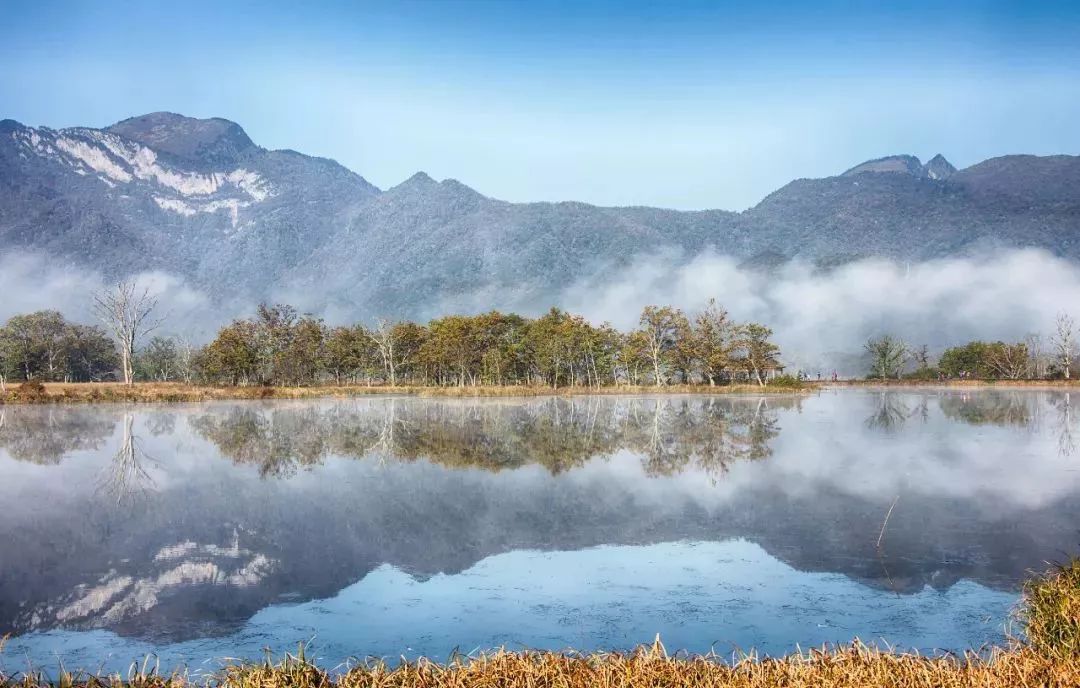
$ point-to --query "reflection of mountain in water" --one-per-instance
(214, 543)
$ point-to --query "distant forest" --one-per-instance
(281, 346)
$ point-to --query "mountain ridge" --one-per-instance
(200, 199)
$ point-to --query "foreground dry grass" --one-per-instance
(158, 392)
(1049, 658)
(852, 667)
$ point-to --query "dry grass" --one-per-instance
(1050, 658)
(158, 392)
(851, 667)
(1005, 384)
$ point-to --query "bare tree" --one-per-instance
(1063, 341)
(1009, 361)
(127, 312)
(185, 359)
(384, 338)
(921, 356)
(127, 477)
(1036, 356)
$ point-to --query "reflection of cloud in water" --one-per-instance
(435, 486)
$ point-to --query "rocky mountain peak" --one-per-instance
(903, 164)
(938, 168)
(214, 140)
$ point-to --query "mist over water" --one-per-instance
(393, 525)
(821, 317)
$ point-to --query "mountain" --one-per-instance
(199, 199)
(164, 192)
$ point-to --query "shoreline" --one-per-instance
(59, 393)
(158, 392)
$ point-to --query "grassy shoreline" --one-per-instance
(1049, 656)
(174, 392)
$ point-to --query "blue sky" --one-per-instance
(680, 104)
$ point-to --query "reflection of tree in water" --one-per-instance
(708, 435)
(45, 435)
(1062, 405)
(161, 423)
(671, 434)
(126, 477)
(891, 413)
(991, 408)
(278, 442)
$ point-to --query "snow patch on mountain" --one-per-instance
(187, 209)
(115, 159)
(94, 158)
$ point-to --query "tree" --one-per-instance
(759, 354)
(966, 360)
(233, 356)
(1063, 342)
(921, 356)
(350, 352)
(1009, 361)
(128, 313)
(714, 336)
(274, 331)
(383, 336)
(304, 355)
(888, 355)
(159, 360)
(91, 354)
(659, 328)
(21, 349)
(1037, 363)
(45, 346)
(453, 348)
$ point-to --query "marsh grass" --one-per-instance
(1049, 658)
(1051, 611)
(174, 392)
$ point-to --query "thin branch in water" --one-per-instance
(881, 535)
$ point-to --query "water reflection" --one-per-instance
(182, 523)
(45, 435)
(127, 476)
(670, 434)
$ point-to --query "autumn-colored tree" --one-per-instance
(758, 353)
(660, 327)
(350, 353)
(233, 356)
(714, 338)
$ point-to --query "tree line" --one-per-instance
(1034, 358)
(281, 346)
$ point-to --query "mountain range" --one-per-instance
(197, 198)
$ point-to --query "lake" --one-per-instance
(400, 526)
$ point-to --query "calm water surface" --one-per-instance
(401, 526)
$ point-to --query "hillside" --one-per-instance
(199, 199)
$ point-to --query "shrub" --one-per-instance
(787, 382)
(1051, 610)
(924, 374)
(30, 391)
